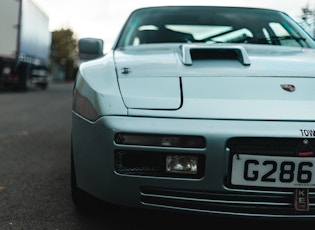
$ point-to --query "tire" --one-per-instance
(43, 85)
(25, 76)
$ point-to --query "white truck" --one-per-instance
(25, 42)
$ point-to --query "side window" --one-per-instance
(284, 37)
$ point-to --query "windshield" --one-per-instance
(211, 25)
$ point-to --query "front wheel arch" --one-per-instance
(81, 199)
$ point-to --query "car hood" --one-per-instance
(218, 81)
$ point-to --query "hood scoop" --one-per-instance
(191, 53)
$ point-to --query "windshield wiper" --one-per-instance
(287, 37)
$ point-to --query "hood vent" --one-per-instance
(197, 52)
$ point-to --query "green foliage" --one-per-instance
(64, 51)
(63, 46)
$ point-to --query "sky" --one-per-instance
(104, 18)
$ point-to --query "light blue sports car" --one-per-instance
(202, 109)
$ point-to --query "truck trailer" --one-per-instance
(25, 42)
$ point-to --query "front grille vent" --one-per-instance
(252, 203)
(270, 146)
(151, 163)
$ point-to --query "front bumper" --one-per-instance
(94, 151)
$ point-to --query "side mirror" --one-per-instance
(90, 48)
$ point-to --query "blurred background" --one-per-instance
(71, 20)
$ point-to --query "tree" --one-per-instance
(64, 52)
(308, 18)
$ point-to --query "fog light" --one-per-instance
(182, 164)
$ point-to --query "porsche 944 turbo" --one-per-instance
(201, 109)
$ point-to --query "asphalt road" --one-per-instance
(35, 173)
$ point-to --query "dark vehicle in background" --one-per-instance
(199, 109)
(24, 45)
